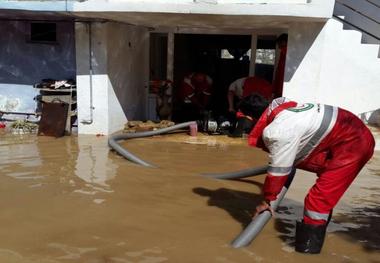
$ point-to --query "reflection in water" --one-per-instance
(72, 200)
(92, 164)
(28, 157)
(20, 150)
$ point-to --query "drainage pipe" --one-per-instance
(113, 141)
(239, 174)
(258, 223)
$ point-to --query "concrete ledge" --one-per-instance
(298, 8)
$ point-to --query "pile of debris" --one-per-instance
(139, 126)
(55, 84)
(23, 126)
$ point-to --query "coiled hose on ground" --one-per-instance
(113, 141)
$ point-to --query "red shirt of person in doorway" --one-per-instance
(244, 87)
(196, 89)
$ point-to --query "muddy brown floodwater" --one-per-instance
(73, 200)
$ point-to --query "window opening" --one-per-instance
(43, 32)
(265, 56)
(241, 54)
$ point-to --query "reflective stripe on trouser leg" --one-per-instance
(347, 161)
(316, 216)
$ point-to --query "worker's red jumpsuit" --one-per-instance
(332, 142)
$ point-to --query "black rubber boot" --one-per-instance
(310, 238)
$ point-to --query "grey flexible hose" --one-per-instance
(239, 174)
(113, 141)
(257, 224)
(254, 228)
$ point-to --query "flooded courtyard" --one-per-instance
(73, 200)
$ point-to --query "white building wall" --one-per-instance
(303, 61)
(350, 75)
(119, 76)
(328, 64)
(92, 109)
(24, 63)
(128, 71)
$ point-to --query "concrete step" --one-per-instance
(351, 38)
(372, 50)
(365, 8)
(367, 24)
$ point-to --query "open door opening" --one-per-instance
(221, 59)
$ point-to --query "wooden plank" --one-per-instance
(366, 25)
(365, 8)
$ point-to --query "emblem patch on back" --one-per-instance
(303, 107)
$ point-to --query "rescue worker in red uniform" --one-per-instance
(194, 95)
(326, 140)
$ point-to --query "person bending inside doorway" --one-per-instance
(242, 88)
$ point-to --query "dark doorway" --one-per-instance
(224, 58)
(204, 53)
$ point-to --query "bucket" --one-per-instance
(193, 129)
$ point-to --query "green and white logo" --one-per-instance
(303, 107)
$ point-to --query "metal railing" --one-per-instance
(362, 15)
(356, 27)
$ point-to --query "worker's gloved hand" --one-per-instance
(264, 205)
